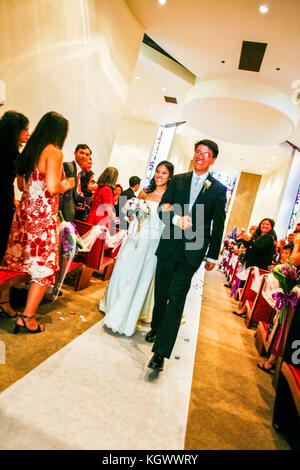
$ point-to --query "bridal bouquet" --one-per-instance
(137, 208)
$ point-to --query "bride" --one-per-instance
(130, 292)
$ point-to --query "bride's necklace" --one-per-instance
(159, 192)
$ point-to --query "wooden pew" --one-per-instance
(97, 259)
(258, 309)
(7, 280)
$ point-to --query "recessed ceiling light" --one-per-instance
(134, 111)
(137, 77)
(162, 2)
(263, 9)
(169, 107)
(163, 89)
(273, 158)
(151, 109)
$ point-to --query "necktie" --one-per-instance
(195, 190)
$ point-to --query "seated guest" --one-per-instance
(129, 193)
(14, 132)
(102, 210)
(286, 253)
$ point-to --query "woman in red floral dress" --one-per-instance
(33, 242)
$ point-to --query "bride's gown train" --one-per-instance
(130, 294)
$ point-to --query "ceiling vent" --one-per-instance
(170, 99)
(252, 55)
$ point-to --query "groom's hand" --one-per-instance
(184, 222)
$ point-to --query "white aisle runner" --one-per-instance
(97, 393)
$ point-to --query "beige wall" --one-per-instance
(132, 149)
(243, 202)
(269, 195)
(179, 159)
(74, 57)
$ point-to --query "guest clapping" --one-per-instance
(260, 247)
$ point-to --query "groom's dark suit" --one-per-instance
(177, 262)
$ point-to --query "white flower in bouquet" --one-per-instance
(137, 208)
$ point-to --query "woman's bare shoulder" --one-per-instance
(52, 150)
(142, 194)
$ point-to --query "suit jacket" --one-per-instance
(208, 216)
(69, 199)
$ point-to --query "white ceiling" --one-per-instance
(200, 34)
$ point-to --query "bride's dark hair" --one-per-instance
(152, 185)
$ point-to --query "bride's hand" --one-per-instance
(166, 207)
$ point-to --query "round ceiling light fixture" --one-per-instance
(241, 111)
(263, 9)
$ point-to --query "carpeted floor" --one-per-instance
(231, 400)
(70, 315)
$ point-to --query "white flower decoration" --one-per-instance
(206, 185)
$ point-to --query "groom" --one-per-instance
(192, 202)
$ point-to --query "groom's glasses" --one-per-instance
(205, 154)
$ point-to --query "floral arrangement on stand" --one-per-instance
(242, 255)
(288, 279)
(233, 234)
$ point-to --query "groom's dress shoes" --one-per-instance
(156, 363)
(150, 337)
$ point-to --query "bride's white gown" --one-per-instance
(130, 294)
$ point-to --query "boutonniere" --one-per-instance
(206, 185)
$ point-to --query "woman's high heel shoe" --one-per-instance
(17, 326)
(4, 313)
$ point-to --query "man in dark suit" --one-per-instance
(129, 193)
(191, 204)
(69, 200)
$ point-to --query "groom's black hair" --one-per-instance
(210, 144)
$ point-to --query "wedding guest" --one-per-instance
(285, 416)
(260, 247)
(69, 200)
(130, 292)
(129, 193)
(260, 250)
(102, 210)
(117, 191)
(33, 242)
(14, 132)
(296, 247)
